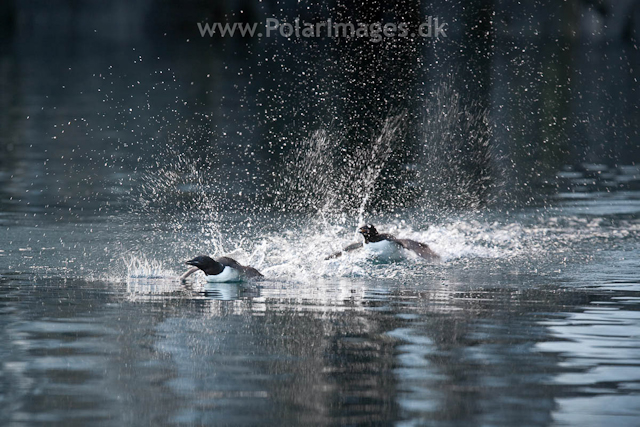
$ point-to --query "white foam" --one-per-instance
(298, 255)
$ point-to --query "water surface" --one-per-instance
(532, 318)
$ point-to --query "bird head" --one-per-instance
(206, 264)
(368, 231)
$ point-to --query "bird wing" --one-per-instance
(249, 272)
(351, 247)
(387, 237)
(419, 248)
(229, 262)
(188, 273)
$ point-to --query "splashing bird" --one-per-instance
(219, 270)
(386, 245)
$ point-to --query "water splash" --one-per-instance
(141, 267)
(298, 255)
(324, 188)
(456, 164)
(328, 179)
(453, 167)
(376, 159)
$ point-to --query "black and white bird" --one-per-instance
(219, 270)
(386, 245)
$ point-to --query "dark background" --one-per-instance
(92, 91)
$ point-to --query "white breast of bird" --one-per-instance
(384, 249)
(228, 274)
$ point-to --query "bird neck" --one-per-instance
(213, 268)
(373, 239)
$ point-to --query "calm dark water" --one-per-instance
(117, 165)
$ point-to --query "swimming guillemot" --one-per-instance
(223, 269)
(386, 245)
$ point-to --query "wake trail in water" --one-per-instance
(298, 255)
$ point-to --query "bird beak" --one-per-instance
(191, 262)
(362, 230)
